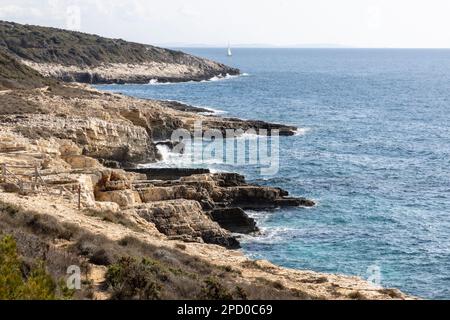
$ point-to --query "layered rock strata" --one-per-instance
(137, 73)
(108, 126)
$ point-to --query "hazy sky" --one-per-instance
(357, 23)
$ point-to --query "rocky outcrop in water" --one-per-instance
(193, 208)
(234, 220)
(217, 195)
(185, 220)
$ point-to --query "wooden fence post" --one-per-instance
(4, 172)
(79, 197)
(36, 175)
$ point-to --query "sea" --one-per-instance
(372, 149)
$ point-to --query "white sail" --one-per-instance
(229, 53)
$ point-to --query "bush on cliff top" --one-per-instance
(51, 45)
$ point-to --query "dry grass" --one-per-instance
(158, 272)
(114, 217)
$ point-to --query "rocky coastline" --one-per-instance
(71, 187)
(115, 132)
(142, 73)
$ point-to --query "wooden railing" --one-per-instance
(34, 180)
(21, 180)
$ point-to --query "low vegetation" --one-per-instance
(18, 283)
(114, 217)
(51, 45)
(131, 279)
(15, 75)
(135, 269)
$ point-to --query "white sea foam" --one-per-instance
(155, 82)
(164, 151)
(248, 136)
(212, 111)
(187, 159)
(218, 77)
(227, 76)
(267, 234)
(301, 131)
(171, 159)
(215, 78)
(184, 160)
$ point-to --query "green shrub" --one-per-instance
(10, 275)
(131, 279)
(38, 285)
(356, 295)
(214, 290)
(9, 208)
(241, 294)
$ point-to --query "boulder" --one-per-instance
(168, 173)
(117, 185)
(9, 187)
(107, 206)
(69, 148)
(81, 162)
(185, 218)
(234, 220)
(86, 183)
(294, 202)
(124, 198)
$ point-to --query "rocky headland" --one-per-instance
(71, 191)
(85, 58)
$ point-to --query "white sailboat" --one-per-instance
(229, 53)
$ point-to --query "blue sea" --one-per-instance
(374, 152)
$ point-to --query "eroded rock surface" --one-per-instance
(234, 220)
(185, 220)
(112, 140)
(219, 196)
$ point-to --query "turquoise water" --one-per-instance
(374, 154)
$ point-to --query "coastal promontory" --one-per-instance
(79, 57)
(72, 192)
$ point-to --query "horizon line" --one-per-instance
(296, 47)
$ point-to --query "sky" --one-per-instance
(352, 23)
